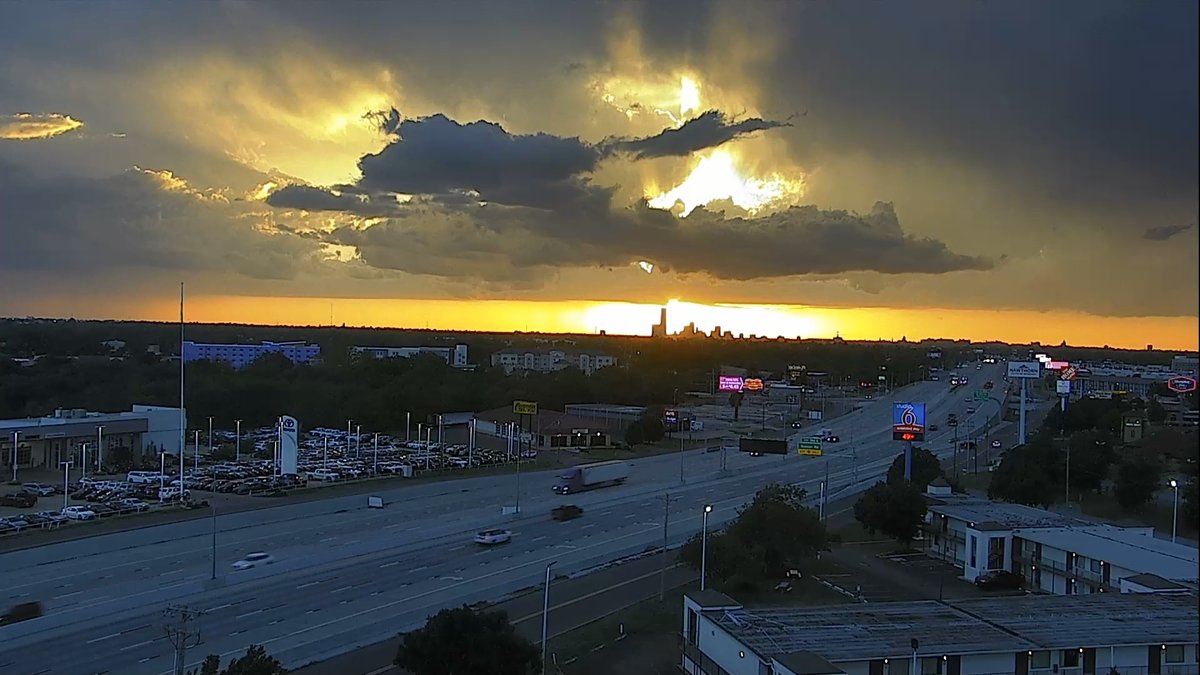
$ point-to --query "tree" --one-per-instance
(1091, 457)
(1156, 412)
(772, 534)
(464, 642)
(256, 661)
(925, 467)
(1138, 479)
(1029, 474)
(895, 508)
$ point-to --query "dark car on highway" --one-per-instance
(1000, 580)
(21, 612)
(566, 512)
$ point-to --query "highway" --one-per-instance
(348, 576)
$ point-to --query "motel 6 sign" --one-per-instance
(1181, 384)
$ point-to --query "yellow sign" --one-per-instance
(810, 452)
(525, 407)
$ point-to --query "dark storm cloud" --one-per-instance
(308, 198)
(1164, 232)
(509, 244)
(435, 155)
(136, 220)
(707, 130)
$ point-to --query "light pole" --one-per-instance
(441, 431)
(348, 422)
(375, 469)
(66, 479)
(195, 458)
(237, 443)
(704, 547)
(83, 462)
(16, 435)
(408, 427)
(546, 613)
(357, 441)
(99, 449)
(1174, 509)
(210, 445)
(325, 457)
(162, 474)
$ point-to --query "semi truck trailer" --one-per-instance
(591, 476)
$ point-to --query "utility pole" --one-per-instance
(183, 631)
(662, 574)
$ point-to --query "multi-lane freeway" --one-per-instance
(347, 576)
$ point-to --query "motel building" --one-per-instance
(1125, 633)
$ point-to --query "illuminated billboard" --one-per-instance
(728, 383)
(752, 384)
(908, 421)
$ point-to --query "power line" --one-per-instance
(183, 630)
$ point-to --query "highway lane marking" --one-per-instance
(180, 571)
(458, 548)
(326, 539)
(418, 569)
(242, 616)
(148, 658)
(539, 538)
(67, 595)
(106, 637)
(311, 583)
(566, 546)
(343, 588)
(213, 609)
(450, 579)
(391, 564)
(135, 646)
(589, 525)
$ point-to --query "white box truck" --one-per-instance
(591, 476)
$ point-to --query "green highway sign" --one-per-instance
(981, 395)
(810, 447)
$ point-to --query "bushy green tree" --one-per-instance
(925, 468)
(1138, 478)
(1030, 474)
(465, 642)
(256, 661)
(893, 508)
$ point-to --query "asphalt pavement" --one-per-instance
(347, 576)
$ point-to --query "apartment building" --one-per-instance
(242, 355)
(1131, 634)
(1057, 554)
(455, 356)
(550, 360)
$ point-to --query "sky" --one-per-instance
(993, 170)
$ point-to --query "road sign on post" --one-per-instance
(1026, 370)
(1063, 387)
(1181, 384)
(810, 447)
(908, 421)
(981, 395)
(1068, 373)
(525, 407)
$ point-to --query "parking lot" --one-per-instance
(877, 573)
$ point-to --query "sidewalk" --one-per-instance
(573, 603)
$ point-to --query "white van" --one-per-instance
(143, 477)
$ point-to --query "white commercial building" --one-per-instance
(1022, 635)
(455, 356)
(1055, 553)
(44, 442)
(550, 360)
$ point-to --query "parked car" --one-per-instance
(493, 537)
(322, 474)
(996, 580)
(566, 512)
(22, 500)
(53, 517)
(996, 443)
(252, 560)
(39, 489)
(79, 513)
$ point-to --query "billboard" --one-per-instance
(1025, 370)
(1181, 384)
(729, 383)
(765, 446)
(289, 445)
(796, 374)
(908, 421)
(525, 408)
(752, 384)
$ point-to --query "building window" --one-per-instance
(1039, 660)
(899, 666)
(1094, 565)
(1173, 654)
(1070, 658)
(931, 665)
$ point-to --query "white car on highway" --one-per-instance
(79, 513)
(493, 537)
(253, 559)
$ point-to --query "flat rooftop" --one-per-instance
(1123, 548)
(858, 632)
(980, 511)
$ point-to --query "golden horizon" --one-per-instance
(634, 319)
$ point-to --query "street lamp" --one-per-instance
(704, 547)
(1174, 509)
(408, 427)
(375, 469)
(237, 443)
(66, 479)
(99, 449)
(546, 613)
(210, 445)
(16, 434)
(83, 462)
(357, 441)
